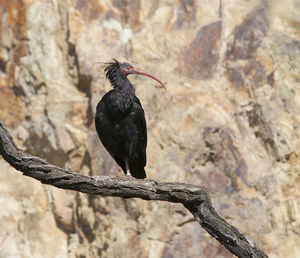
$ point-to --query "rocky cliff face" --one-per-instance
(228, 122)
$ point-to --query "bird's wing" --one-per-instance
(138, 116)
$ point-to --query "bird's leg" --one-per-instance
(127, 169)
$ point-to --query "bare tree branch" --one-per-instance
(192, 197)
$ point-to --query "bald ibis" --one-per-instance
(120, 120)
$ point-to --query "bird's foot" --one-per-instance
(128, 175)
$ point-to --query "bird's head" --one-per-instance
(127, 69)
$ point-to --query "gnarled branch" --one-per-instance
(192, 197)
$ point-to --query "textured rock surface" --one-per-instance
(229, 122)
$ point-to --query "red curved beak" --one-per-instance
(141, 72)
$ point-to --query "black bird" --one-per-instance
(120, 120)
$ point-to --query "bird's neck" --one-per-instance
(121, 83)
(124, 97)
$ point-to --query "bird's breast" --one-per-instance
(120, 105)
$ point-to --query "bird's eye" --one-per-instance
(129, 66)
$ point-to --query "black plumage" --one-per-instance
(120, 120)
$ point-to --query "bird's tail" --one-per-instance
(137, 171)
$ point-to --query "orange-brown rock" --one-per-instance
(228, 122)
